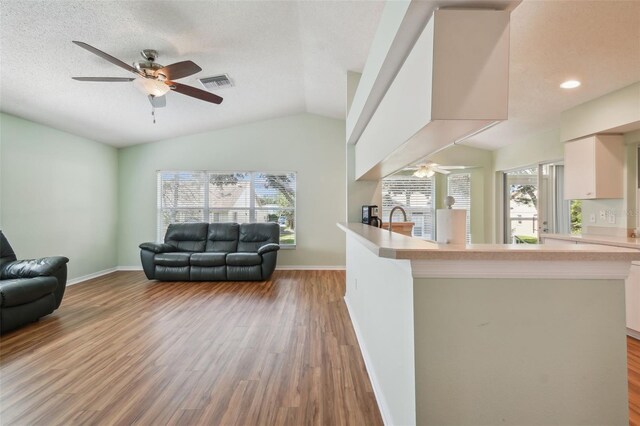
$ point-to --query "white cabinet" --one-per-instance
(593, 168)
(632, 294)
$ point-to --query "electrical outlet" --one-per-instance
(592, 218)
(612, 217)
(603, 214)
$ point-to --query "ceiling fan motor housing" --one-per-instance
(149, 54)
(149, 66)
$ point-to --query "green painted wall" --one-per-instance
(58, 195)
(518, 351)
(539, 147)
(481, 163)
(311, 145)
(548, 147)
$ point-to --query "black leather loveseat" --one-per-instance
(213, 252)
(29, 289)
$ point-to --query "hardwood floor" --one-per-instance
(633, 365)
(125, 350)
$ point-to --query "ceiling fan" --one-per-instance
(429, 169)
(153, 79)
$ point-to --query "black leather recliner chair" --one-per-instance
(29, 289)
(213, 252)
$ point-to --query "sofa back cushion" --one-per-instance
(6, 252)
(223, 237)
(255, 235)
(187, 236)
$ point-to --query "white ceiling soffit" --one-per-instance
(404, 22)
(284, 57)
(595, 42)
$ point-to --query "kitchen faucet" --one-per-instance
(391, 215)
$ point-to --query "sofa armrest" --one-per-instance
(268, 248)
(157, 247)
(31, 268)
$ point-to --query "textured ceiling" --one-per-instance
(596, 42)
(285, 57)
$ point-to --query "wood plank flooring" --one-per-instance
(633, 365)
(124, 350)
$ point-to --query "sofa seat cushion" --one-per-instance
(244, 259)
(25, 290)
(172, 259)
(208, 259)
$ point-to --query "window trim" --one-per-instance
(207, 210)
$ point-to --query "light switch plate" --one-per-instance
(612, 218)
(592, 218)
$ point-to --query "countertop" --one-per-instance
(626, 242)
(392, 245)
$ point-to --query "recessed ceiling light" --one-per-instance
(570, 84)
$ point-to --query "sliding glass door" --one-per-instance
(521, 206)
(534, 204)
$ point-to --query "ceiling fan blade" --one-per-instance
(194, 93)
(179, 70)
(107, 57)
(158, 101)
(439, 170)
(104, 79)
(454, 167)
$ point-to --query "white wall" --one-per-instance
(379, 296)
(58, 195)
(308, 144)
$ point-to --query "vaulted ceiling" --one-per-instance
(285, 58)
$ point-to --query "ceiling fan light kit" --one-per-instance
(424, 171)
(153, 79)
(151, 87)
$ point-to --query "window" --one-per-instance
(416, 196)
(204, 196)
(459, 187)
(534, 204)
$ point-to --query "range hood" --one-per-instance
(453, 84)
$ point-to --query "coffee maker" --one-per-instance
(370, 216)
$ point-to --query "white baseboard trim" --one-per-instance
(129, 268)
(377, 390)
(91, 276)
(633, 333)
(278, 268)
(310, 268)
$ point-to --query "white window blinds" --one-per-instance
(459, 187)
(204, 196)
(416, 196)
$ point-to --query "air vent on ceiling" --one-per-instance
(216, 82)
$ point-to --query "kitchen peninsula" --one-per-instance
(490, 334)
